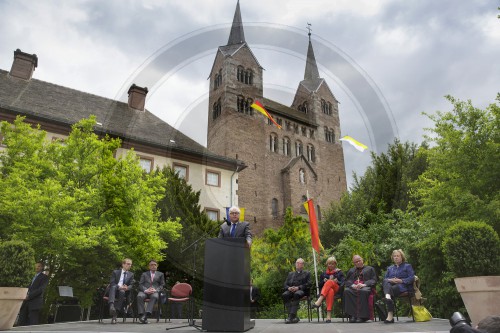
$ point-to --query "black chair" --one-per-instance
(412, 297)
(307, 298)
(104, 298)
(158, 308)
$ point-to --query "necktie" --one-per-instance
(34, 278)
(233, 229)
(152, 277)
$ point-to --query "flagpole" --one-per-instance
(316, 275)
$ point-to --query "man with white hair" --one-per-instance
(234, 227)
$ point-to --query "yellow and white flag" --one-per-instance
(355, 143)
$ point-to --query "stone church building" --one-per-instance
(284, 166)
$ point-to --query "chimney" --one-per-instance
(24, 65)
(137, 97)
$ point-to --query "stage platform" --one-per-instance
(261, 326)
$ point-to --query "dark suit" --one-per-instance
(255, 296)
(296, 279)
(30, 310)
(145, 282)
(128, 280)
(242, 230)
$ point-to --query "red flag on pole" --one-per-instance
(313, 224)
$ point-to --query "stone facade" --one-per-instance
(279, 173)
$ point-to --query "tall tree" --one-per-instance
(81, 209)
(461, 181)
(274, 255)
(185, 257)
(383, 189)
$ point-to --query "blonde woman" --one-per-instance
(330, 282)
(398, 279)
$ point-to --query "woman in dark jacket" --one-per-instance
(398, 279)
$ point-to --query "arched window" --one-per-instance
(248, 106)
(243, 105)
(329, 135)
(216, 110)
(218, 79)
(274, 208)
(298, 148)
(286, 146)
(244, 75)
(304, 107)
(273, 143)
(311, 153)
(240, 73)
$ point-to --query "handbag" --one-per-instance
(420, 313)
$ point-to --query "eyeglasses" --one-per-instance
(234, 213)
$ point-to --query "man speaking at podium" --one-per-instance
(235, 228)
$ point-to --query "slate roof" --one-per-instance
(288, 112)
(46, 101)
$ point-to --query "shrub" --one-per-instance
(17, 259)
(472, 249)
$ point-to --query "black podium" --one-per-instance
(226, 293)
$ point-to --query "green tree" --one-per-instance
(383, 188)
(461, 181)
(80, 208)
(274, 255)
(472, 249)
(181, 202)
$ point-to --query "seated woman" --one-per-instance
(398, 279)
(330, 282)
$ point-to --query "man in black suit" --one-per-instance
(30, 310)
(120, 283)
(235, 228)
(296, 286)
(254, 299)
(150, 286)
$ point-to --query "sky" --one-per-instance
(385, 61)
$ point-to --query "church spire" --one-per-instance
(237, 36)
(311, 73)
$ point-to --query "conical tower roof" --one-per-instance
(237, 35)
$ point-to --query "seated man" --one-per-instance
(119, 285)
(360, 281)
(150, 285)
(296, 286)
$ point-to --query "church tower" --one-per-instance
(283, 165)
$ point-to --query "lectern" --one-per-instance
(226, 292)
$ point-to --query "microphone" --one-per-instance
(227, 222)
